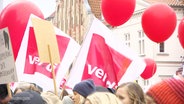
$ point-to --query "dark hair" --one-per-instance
(179, 70)
(3, 91)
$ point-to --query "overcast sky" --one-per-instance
(46, 6)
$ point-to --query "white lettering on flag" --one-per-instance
(105, 58)
(29, 67)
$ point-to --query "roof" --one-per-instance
(95, 7)
(169, 2)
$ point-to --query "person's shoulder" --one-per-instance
(50, 98)
(27, 97)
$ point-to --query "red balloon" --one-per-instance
(150, 69)
(15, 16)
(117, 12)
(181, 32)
(159, 22)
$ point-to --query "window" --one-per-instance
(141, 42)
(163, 77)
(161, 47)
(146, 82)
(127, 39)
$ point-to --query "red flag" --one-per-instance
(30, 69)
(112, 62)
(33, 63)
(105, 58)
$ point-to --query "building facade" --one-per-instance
(72, 17)
(167, 55)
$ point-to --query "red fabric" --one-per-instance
(106, 58)
(33, 63)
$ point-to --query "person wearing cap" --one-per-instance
(168, 91)
(82, 89)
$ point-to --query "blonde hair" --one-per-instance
(134, 91)
(103, 98)
(149, 99)
(82, 99)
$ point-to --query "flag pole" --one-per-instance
(64, 86)
(53, 71)
(62, 92)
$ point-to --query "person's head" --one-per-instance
(26, 86)
(27, 97)
(149, 99)
(102, 98)
(4, 98)
(130, 93)
(82, 89)
(168, 91)
(77, 98)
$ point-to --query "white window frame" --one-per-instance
(127, 39)
(141, 42)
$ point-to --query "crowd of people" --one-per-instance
(168, 91)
